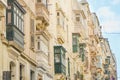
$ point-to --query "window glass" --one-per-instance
(17, 21)
(22, 71)
(18, 18)
(15, 18)
(15, 15)
(9, 17)
(44, 47)
(57, 58)
(57, 50)
(75, 42)
(22, 26)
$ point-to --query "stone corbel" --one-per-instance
(40, 25)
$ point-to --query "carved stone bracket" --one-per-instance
(40, 25)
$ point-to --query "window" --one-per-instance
(32, 75)
(9, 18)
(60, 19)
(57, 58)
(12, 70)
(63, 58)
(14, 23)
(77, 17)
(18, 19)
(38, 45)
(58, 14)
(68, 67)
(21, 71)
(43, 44)
(82, 51)
(75, 40)
(15, 14)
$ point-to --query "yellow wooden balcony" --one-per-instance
(60, 34)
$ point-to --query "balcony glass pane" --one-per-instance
(9, 17)
(15, 18)
(57, 50)
(42, 44)
(75, 42)
(57, 58)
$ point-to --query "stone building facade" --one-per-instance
(53, 40)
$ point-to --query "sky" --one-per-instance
(108, 12)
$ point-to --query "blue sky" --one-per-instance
(108, 12)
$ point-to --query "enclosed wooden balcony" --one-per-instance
(42, 16)
(15, 29)
(59, 60)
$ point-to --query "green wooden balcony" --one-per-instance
(15, 24)
(59, 60)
